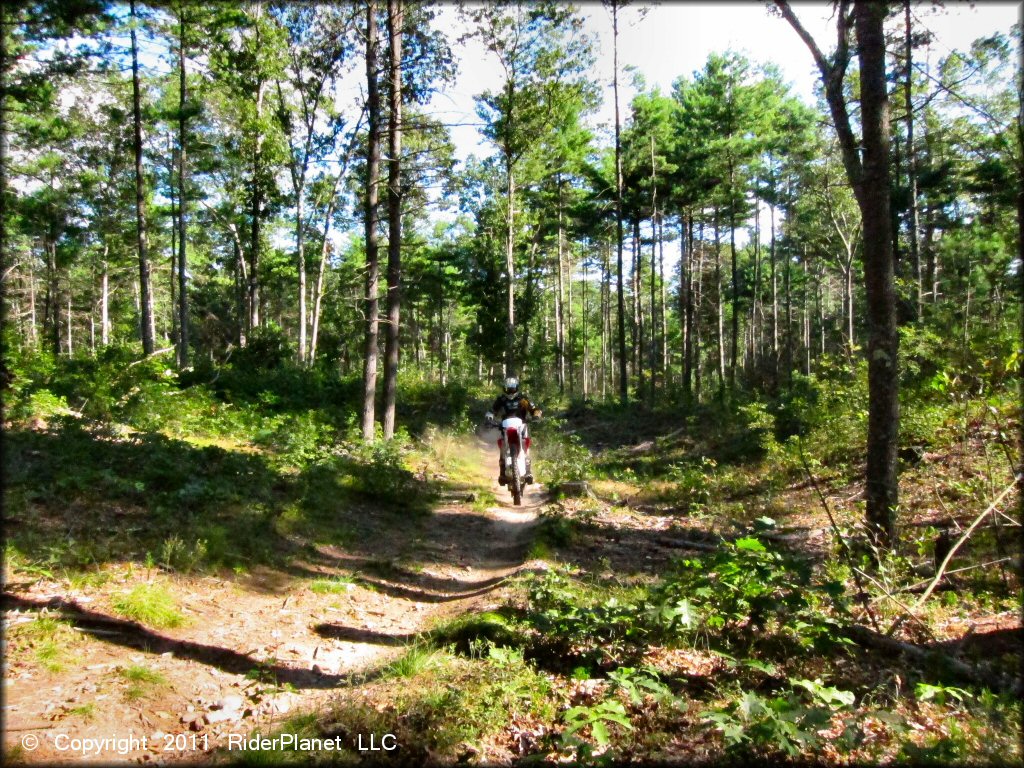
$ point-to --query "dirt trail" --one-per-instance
(257, 649)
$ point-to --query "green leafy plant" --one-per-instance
(597, 718)
(941, 694)
(787, 722)
(641, 683)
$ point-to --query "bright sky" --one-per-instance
(675, 38)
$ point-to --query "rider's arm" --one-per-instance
(495, 409)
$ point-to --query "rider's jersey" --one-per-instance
(517, 405)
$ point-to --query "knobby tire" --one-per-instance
(516, 483)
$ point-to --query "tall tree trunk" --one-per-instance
(652, 351)
(372, 180)
(559, 302)
(70, 318)
(756, 311)
(698, 303)
(734, 349)
(4, 150)
(51, 313)
(182, 200)
(253, 295)
(883, 340)
(148, 327)
(172, 153)
(605, 322)
(623, 381)
(787, 288)
(300, 252)
(848, 304)
(638, 318)
(652, 323)
(104, 300)
(775, 288)
(663, 313)
(914, 224)
(567, 332)
(686, 288)
(719, 311)
(586, 344)
(33, 331)
(510, 268)
(870, 180)
(806, 318)
(391, 351)
(325, 244)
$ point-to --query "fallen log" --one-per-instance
(986, 677)
(687, 544)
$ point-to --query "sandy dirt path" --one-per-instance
(256, 650)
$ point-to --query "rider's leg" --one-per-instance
(501, 471)
(529, 471)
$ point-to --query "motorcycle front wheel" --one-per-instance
(515, 482)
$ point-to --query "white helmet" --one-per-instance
(511, 385)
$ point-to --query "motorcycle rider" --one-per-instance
(512, 403)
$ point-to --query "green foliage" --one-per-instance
(334, 585)
(741, 595)
(597, 718)
(150, 604)
(693, 483)
(571, 630)
(744, 587)
(442, 707)
(555, 529)
(941, 694)
(638, 684)
(470, 633)
(376, 470)
(787, 723)
(560, 458)
(796, 409)
(938, 749)
(415, 660)
(51, 640)
(176, 555)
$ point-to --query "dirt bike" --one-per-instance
(513, 444)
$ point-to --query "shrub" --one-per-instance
(149, 604)
(788, 723)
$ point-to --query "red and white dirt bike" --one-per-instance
(513, 444)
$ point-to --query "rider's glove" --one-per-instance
(489, 418)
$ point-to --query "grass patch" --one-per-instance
(470, 633)
(85, 711)
(140, 681)
(51, 640)
(332, 586)
(455, 709)
(150, 604)
(417, 659)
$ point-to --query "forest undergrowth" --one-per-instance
(698, 584)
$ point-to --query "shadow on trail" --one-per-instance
(453, 589)
(368, 636)
(130, 634)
